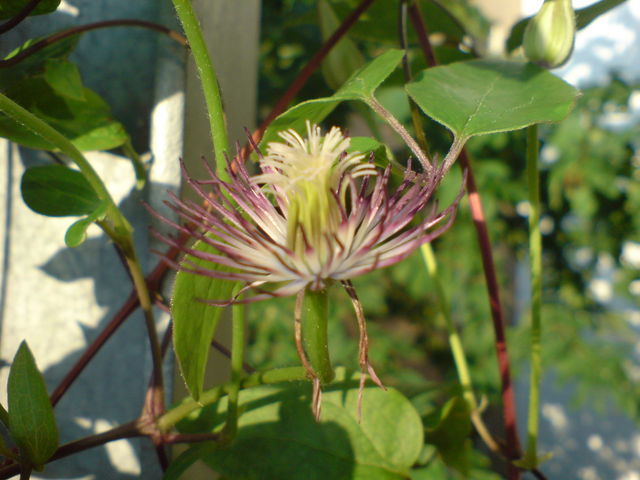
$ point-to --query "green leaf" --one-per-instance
(451, 432)
(364, 82)
(49, 86)
(31, 421)
(86, 123)
(296, 117)
(195, 322)
(344, 58)
(64, 77)
(360, 86)
(10, 8)
(278, 437)
(58, 191)
(483, 96)
(35, 63)
(77, 233)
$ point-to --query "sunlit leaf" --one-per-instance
(195, 322)
(365, 81)
(34, 63)
(360, 86)
(486, 96)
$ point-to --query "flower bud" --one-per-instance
(549, 36)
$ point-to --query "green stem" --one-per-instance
(400, 130)
(237, 370)
(535, 256)
(209, 82)
(457, 350)
(276, 375)
(314, 333)
(452, 154)
(140, 285)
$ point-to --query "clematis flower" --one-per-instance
(314, 215)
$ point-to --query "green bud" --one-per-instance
(549, 37)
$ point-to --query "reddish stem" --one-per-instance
(56, 37)
(512, 447)
(127, 430)
(153, 281)
(21, 15)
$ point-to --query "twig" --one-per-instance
(127, 430)
(22, 14)
(56, 37)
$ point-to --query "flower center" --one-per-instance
(309, 176)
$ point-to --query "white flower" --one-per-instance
(313, 215)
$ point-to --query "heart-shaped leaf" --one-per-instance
(195, 322)
(487, 96)
(31, 421)
(58, 191)
(279, 438)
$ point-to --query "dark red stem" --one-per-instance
(56, 37)
(127, 430)
(22, 14)
(512, 447)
